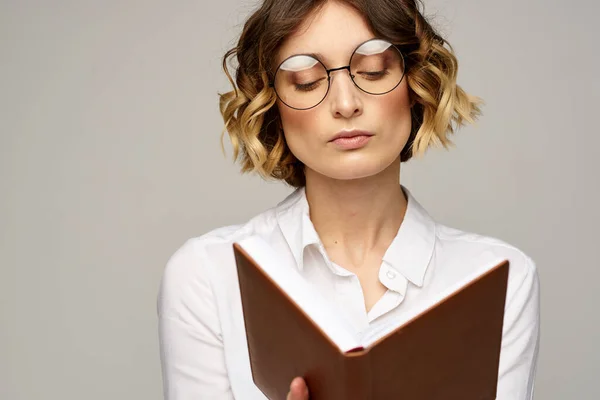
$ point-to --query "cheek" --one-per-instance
(394, 111)
(395, 106)
(297, 121)
(298, 124)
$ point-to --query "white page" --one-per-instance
(323, 313)
(371, 336)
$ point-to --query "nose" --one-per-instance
(345, 96)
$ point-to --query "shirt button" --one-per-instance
(392, 279)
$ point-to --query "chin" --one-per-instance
(353, 170)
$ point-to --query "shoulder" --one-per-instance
(199, 262)
(474, 243)
(204, 246)
(456, 246)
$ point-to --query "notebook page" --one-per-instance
(315, 306)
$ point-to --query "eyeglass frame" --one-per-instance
(329, 71)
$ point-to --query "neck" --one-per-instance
(360, 215)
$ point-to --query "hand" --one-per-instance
(298, 390)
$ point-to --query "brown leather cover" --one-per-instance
(450, 351)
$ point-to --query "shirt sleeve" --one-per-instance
(190, 340)
(521, 334)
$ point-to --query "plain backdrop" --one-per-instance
(110, 159)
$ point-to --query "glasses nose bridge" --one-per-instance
(347, 67)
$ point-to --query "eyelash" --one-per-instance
(377, 73)
(307, 87)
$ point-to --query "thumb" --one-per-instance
(298, 390)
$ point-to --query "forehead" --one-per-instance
(333, 33)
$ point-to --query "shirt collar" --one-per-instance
(409, 253)
(294, 221)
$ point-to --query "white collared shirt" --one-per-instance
(203, 346)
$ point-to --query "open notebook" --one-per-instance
(448, 349)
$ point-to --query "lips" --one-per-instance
(351, 134)
(351, 140)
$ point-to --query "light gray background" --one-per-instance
(110, 160)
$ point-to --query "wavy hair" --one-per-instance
(440, 106)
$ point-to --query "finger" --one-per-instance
(298, 390)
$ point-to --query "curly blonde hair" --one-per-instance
(440, 106)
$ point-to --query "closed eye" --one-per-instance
(372, 75)
(307, 87)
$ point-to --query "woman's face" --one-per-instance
(335, 32)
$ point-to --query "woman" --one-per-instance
(331, 97)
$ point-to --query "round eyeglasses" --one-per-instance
(302, 81)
